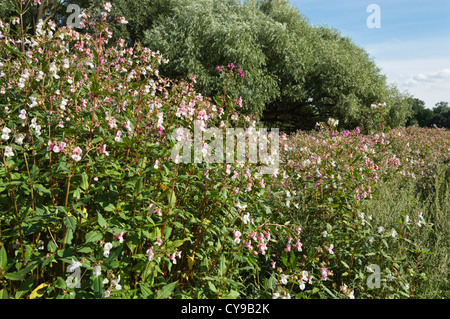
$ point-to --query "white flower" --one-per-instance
(73, 266)
(54, 70)
(33, 102)
(63, 104)
(283, 279)
(333, 122)
(380, 229)
(351, 295)
(106, 249)
(393, 233)
(23, 114)
(115, 282)
(107, 6)
(19, 139)
(246, 218)
(66, 64)
(97, 271)
(325, 233)
(8, 151)
(5, 135)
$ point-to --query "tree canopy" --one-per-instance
(295, 74)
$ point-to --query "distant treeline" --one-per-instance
(424, 117)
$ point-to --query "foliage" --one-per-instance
(424, 117)
(93, 204)
(295, 74)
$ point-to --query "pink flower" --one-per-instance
(330, 249)
(239, 102)
(298, 245)
(122, 20)
(201, 115)
(262, 184)
(237, 235)
(262, 247)
(50, 146)
(150, 254)
(76, 154)
(62, 145)
(118, 136)
(103, 150)
(325, 273)
(119, 237)
(173, 258)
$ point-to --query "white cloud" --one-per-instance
(433, 77)
(425, 79)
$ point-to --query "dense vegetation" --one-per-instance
(94, 205)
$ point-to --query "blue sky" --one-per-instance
(412, 45)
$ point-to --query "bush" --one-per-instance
(95, 203)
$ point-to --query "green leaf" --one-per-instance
(77, 193)
(34, 172)
(222, 265)
(68, 236)
(101, 221)
(172, 199)
(41, 189)
(132, 241)
(272, 281)
(24, 287)
(3, 257)
(70, 223)
(212, 287)
(232, 294)
(84, 181)
(166, 290)
(3, 294)
(93, 236)
(329, 292)
(148, 270)
(18, 275)
(110, 208)
(97, 286)
(172, 245)
(85, 250)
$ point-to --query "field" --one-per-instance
(93, 203)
